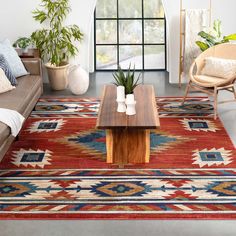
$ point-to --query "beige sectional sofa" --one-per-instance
(21, 99)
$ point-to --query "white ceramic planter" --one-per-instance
(25, 50)
(78, 80)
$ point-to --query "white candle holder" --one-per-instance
(121, 99)
(130, 102)
(121, 106)
(120, 93)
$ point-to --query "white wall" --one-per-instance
(16, 20)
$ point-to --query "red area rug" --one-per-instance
(57, 169)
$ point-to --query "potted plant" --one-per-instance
(56, 42)
(22, 43)
(126, 79)
(214, 37)
(126, 84)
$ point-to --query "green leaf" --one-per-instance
(224, 41)
(203, 46)
(217, 27)
(230, 37)
(210, 40)
(207, 36)
(57, 43)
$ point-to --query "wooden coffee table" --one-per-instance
(128, 137)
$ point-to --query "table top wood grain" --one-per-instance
(146, 110)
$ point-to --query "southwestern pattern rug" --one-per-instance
(57, 170)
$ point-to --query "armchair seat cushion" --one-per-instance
(205, 79)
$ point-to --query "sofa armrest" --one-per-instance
(33, 65)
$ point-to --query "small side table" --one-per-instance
(32, 53)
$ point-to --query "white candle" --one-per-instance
(120, 93)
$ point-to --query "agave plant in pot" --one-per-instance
(56, 42)
(126, 83)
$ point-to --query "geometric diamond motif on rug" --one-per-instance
(31, 158)
(121, 189)
(226, 188)
(199, 125)
(212, 157)
(46, 126)
(94, 141)
(66, 108)
(17, 190)
(196, 108)
(71, 107)
(161, 141)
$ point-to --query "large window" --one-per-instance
(130, 32)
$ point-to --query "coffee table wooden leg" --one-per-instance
(128, 146)
(148, 146)
(116, 142)
(109, 146)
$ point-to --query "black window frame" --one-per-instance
(118, 44)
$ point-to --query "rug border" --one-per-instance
(116, 217)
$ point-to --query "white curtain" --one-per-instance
(195, 21)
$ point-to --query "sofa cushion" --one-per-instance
(5, 84)
(19, 98)
(7, 70)
(12, 58)
(4, 132)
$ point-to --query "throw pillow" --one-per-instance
(5, 84)
(6, 68)
(219, 67)
(12, 58)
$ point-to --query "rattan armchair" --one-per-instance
(208, 84)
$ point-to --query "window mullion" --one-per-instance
(143, 56)
(118, 35)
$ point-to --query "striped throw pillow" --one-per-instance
(5, 84)
(7, 70)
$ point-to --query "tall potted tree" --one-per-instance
(56, 42)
